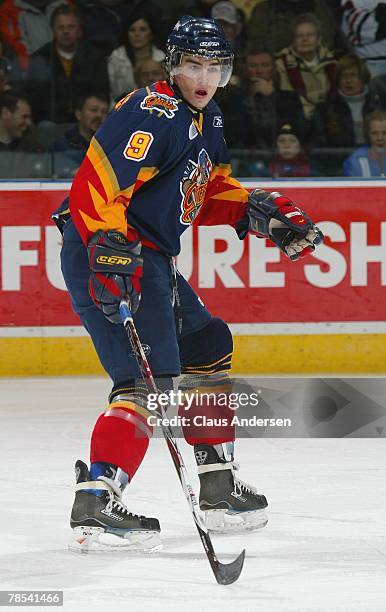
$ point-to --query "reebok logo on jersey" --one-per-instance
(217, 121)
(160, 102)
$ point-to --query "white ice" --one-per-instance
(324, 548)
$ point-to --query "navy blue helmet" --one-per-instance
(200, 37)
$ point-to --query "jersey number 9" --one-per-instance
(138, 145)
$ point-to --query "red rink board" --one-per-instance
(242, 282)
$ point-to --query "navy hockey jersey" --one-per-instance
(157, 166)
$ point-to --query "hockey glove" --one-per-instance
(274, 216)
(116, 270)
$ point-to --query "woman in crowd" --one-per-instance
(339, 121)
(136, 46)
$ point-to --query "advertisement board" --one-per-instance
(332, 302)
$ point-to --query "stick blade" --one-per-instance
(227, 573)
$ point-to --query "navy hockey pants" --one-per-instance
(155, 318)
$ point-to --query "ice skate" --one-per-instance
(102, 523)
(229, 504)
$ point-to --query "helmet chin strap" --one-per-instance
(178, 91)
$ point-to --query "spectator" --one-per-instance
(339, 121)
(197, 8)
(90, 111)
(10, 71)
(364, 25)
(377, 86)
(136, 46)
(246, 6)
(306, 66)
(226, 14)
(63, 70)
(15, 122)
(370, 160)
(25, 26)
(271, 21)
(102, 22)
(5, 69)
(263, 105)
(149, 71)
(290, 158)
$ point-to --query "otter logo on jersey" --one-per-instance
(193, 186)
(160, 102)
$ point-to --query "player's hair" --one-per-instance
(352, 61)
(377, 115)
(9, 100)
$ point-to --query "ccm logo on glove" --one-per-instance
(113, 260)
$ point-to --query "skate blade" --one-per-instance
(223, 521)
(92, 540)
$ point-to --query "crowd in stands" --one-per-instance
(307, 96)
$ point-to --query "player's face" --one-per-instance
(198, 79)
(377, 134)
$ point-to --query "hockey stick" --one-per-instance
(225, 573)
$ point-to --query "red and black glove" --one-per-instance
(274, 216)
(116, 270)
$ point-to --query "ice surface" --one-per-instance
(324, 548)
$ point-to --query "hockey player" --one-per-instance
(158, 164)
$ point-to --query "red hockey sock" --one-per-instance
(121, 436)
(208, 420)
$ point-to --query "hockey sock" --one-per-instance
(208, 417)
(120, 437)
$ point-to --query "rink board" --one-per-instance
(254, 354)
(323, 314)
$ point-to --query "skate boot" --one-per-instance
(229, 504)
(102, 523)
